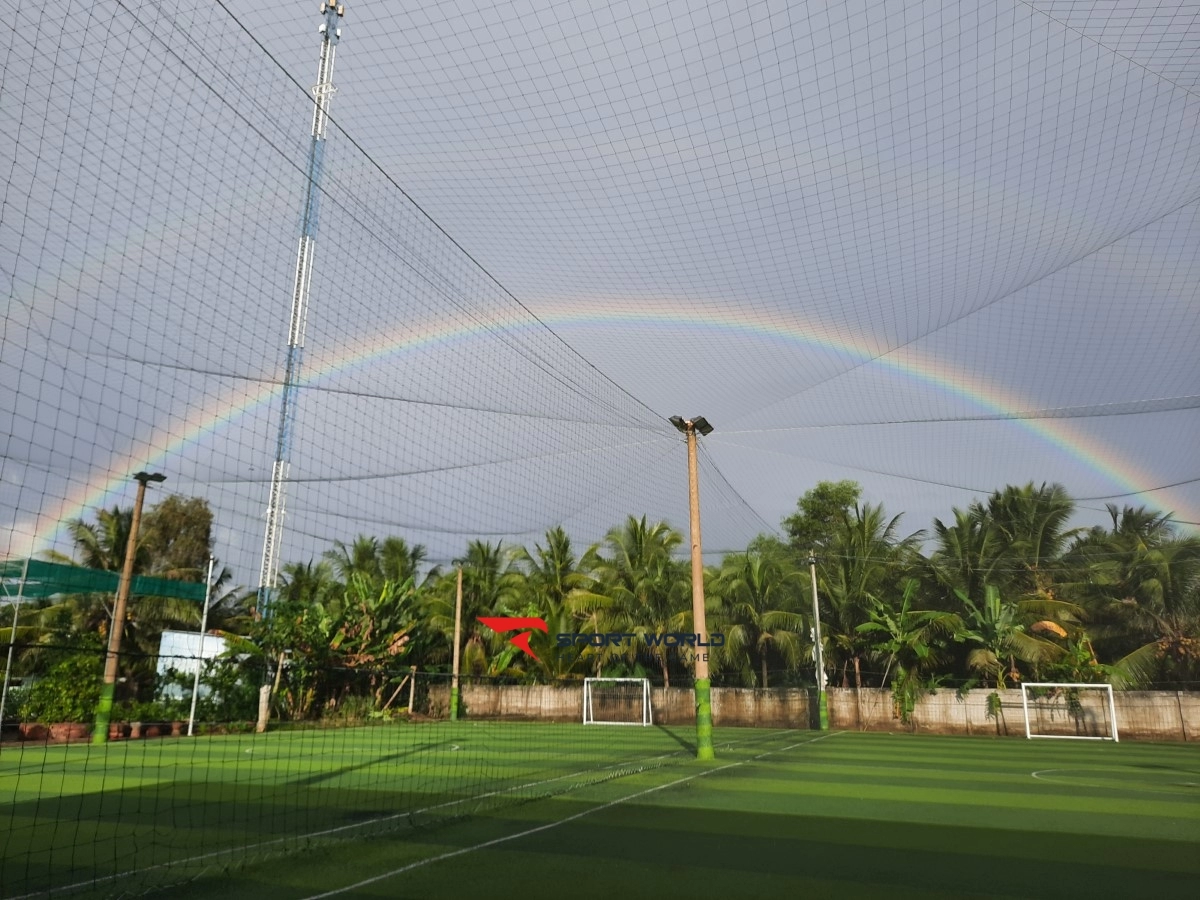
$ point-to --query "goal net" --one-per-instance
(616, 701)
(1080, 711)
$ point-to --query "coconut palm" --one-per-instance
(971, 554)
(173, 542)
(399, 562)
(1032, 522)
(553, 578)
(361, 557)
(862, 572)
(759, 594)
(101, 545)
(1143, 590)
(638, 588)
(491, 587)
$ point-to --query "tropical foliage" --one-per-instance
(1002, 591)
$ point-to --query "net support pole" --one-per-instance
(108, 688)
(704, 741)
(818, 650)
(454, 681)
(200, 650)
(12, 638)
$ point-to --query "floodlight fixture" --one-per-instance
(699, 424)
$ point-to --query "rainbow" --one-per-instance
(914, 365)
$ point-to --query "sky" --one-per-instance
(932, 247)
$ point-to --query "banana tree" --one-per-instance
(1001, 638)
(914, 644)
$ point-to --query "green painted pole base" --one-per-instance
(704, 743)
(103, 714)
(822, 711)
(453, 704)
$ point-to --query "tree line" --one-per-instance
(1004, 590)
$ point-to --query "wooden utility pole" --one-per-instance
(104, 709)
(704, 743)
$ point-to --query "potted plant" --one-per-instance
(63, 702)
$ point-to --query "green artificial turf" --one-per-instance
(534, 810)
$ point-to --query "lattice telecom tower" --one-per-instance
(323, 92)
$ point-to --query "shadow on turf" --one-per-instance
(686, 745)
(668, 850)
(344, 770)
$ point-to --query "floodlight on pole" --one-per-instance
(104, 708)
(704, 743)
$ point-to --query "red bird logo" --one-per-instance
(501, 624)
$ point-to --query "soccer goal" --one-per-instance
(616, 701)
(1079, 711)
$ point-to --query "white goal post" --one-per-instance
(1057, 710)
(617, 701)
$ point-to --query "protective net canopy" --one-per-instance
(933, 249)
(150, 227)
(936, 248)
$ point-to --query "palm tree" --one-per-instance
(101, 545)
(863, 572)
(361, 557)
(398, 562)
(759, 591)
(491, 587)
(638, 588)
(553, 578)
(173, 543)
(1033, 525)
(1000, 567)
(971, 554)
(1143, 588)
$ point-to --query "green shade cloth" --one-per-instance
(45, 579)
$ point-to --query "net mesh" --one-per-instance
(611, 702)
(932, 247)
(152, 216)
(154, 808)
(1069, 711)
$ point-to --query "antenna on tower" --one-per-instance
(323, 92)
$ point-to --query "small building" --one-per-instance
(181, 651)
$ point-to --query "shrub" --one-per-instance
(69, 692)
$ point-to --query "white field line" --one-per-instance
(326, 832)
(555, 824)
